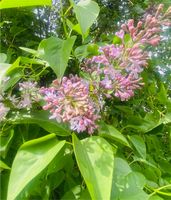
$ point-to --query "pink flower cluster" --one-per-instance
(118, 67)
(69, 101)
(119, 75)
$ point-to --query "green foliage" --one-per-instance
(96, 163)
(86, 13)
(31, 159)
(21, 3)
(128, 158)
(41, 118)
(112, 133)
(56, 52)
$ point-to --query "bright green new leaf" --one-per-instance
(32, 51)
(41, 118)
(15, 65)
(162, 94)
(86, 13)
(96, 162)
(56, 52)
(31, 159)
(117, 40)
(21, 3)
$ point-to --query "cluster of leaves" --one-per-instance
(128, 159)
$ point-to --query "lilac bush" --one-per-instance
(39, 122)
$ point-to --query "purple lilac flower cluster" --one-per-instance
(69, 101)
(148, 30)
(29, 93)
(114, 72)
(119, 66)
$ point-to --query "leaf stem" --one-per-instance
(160, 192)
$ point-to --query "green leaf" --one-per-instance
(55, 179)
(32, 51)
(69, 196)
(21, 3)
(77, 28)
(86, 50)
(3, 166)
(3, 69)
(81, 52)
(162, 95)
(155, 197)
(122, 168)
(96, 162)
(85, 195)
(5, 142)
(139, 144)
(14, 76)
(111, 132)
(127, 185)
(15, 65)
(117, 40)
(146, 124)
(69, 24)
(15, 73)
(56, 52)
(31, 159)
(86, 13)
(35, 61)
(127, 38)
(41, 118)
(4, 177)
(132, 187)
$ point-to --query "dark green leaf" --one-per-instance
(139, 144)
(111, 132)
(5, 142)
